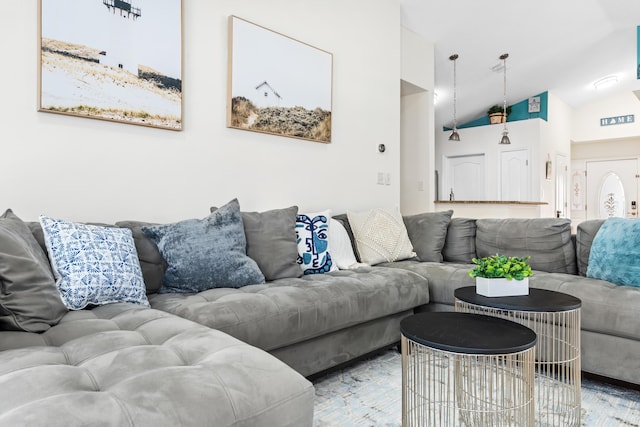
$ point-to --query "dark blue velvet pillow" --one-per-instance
(205, 253)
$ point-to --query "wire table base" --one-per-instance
(442, 388)
(557, 360)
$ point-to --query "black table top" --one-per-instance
(539, 300)
(467, 333)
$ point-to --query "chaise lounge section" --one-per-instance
(124, 365)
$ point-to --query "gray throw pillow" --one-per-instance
(585, 234)
(546, 240)
(460, 245)
(205, 253)
(151, 262)
(29, 299)
(271, 241)
(427, 232)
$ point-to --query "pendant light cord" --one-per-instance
(454, 58)
(504, 107)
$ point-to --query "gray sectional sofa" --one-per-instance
(239, 356)
(610, 338)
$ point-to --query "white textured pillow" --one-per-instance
(93, 264)
(380, 235)
(341, 248)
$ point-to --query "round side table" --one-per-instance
(463, 369)
(555, 317)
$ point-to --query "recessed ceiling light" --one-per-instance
(605, 81)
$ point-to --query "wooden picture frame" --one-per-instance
(276, 84)
(112, 60)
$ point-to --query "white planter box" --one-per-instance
(502, 287)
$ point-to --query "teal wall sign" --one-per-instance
(617, 120)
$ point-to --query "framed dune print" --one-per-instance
(113, 60)
(276, 84)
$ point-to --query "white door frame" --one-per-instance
(591, 193)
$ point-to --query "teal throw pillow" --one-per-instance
(205, 253)
(93, 265)
(615, 252)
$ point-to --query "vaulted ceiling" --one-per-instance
(560, 46)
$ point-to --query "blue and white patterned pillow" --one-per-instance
(312, 231)
(92, 264)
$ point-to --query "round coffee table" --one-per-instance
(555, 317)
(466, 369)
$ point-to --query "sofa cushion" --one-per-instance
(288, 311)
(29, 299)
(546, 240)
(120, 365)
(585, 233)
(93, 264)
(271, 241)
(312, 237)
(205, 253)
(606, 308)
(151, 262)
(443, 278)
(427, 232)
(615, 252)
(460, 244)
(380, 235)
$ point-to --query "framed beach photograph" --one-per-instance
(112, 60)
(277, 85)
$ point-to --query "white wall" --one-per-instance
(92, 170)
(417, 191)
(586, 119)
(417, 154)
(607, 149)
(543, 139)
(485, 140)
(555, 139)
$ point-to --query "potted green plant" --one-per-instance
(500, 275)
(496, 114)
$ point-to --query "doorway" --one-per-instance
(464, 177)
(562, 186)
(612, 188)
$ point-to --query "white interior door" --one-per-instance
(562, 186)
(612, 188)
(515, 176)
(464, 175)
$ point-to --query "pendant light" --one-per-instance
(505, 133)
(454, 134)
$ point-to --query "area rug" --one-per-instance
(369, 393)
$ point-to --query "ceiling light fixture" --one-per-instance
(505, 133)
(605, 82)
(454, 134)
